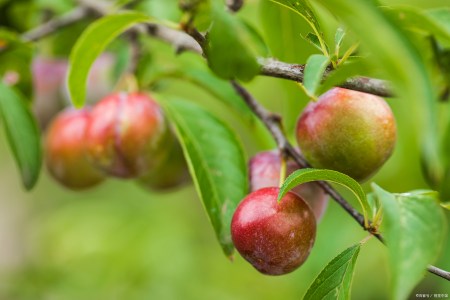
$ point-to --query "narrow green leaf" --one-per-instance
(446, 205)
(309, 174)
(216, 163)
(314, 69)
(414, 227)
(339, 38)
(305, 10)
(313, 40)
(91, 44)
(335, 280)
(22, 133)
(411, 83)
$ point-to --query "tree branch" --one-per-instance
(295, 72)
(234, 5)
(55, 24)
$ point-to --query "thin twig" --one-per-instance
(55, 24)
(295, 72)
(234, 5)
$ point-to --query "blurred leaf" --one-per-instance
(216, 163)
(228, 48)
(304, 9)
(339, 38)
(91, 44)
(308, 174)
(446, 205)
(23, 134)
(436, 22)
(279, 38)
(414, 228)
(441, 16)
(314, 69)
(15, 57)
(219, 88)
(313, 40)
(335, 280)
(400, 63)
(257, 40)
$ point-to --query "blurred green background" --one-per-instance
(118, 241)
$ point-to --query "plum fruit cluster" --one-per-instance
(344, 130)
(125, 135)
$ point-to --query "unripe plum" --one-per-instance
(275, 237)
(127, 134)
(264, 171)
(171, 173)
(65, 150)
(347, 131)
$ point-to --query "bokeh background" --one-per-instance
(119, 241)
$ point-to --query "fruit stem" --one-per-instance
(282, 168)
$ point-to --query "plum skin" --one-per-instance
(347, 131)
(65, 150)
(264, 171)
(274, 237)
(127, 134)
(171, 173)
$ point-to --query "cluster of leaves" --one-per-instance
(214, 153)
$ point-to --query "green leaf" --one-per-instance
(91, 44)
(339, 38)
(446, 205)
(436, 22)
(335, 280)
(16, 56)
(304, 9)
(414, 227)
(411, 83)
(229, 51)
(22, 133)
(314, 69)
(219, 88)
(216, 163)
(313, 40)
(441, 17)
(308, 174)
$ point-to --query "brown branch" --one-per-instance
(295, 72)
(234, 5)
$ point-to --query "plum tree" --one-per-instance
(65, 150)
(275, 237)
(347, 131)
(264, 171)
(127, 134)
